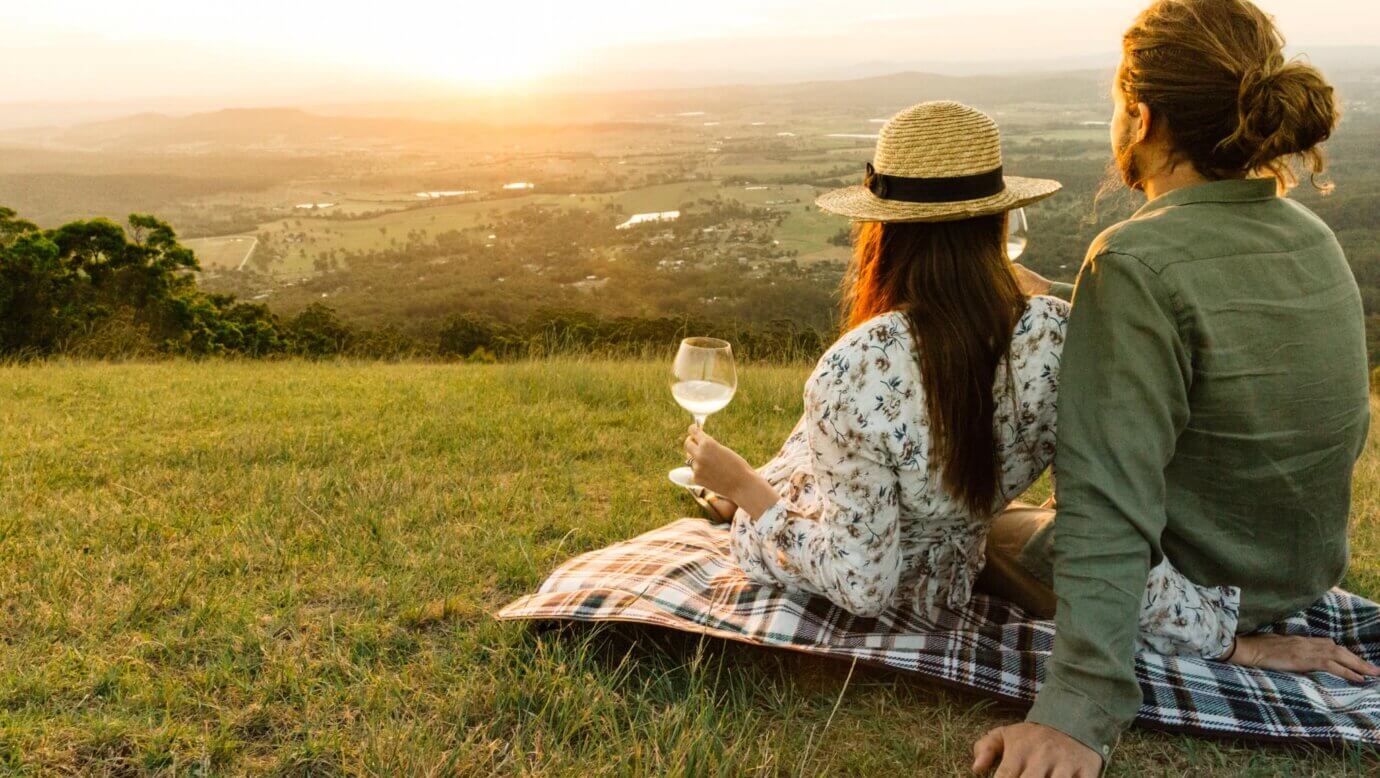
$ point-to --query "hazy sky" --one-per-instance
(87, 49)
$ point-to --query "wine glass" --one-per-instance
(703, 380)
(1017, 234)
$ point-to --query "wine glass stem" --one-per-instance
(700, 419)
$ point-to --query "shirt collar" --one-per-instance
(1231, 190)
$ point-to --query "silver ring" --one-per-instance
(690, 462)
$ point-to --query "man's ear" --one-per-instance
(1143, 119)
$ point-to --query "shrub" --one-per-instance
(481, 356)
(117, 337)
(388, 343)
(466, 333)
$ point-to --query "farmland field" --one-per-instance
(806, 228)
(229, 252)
(289, 568)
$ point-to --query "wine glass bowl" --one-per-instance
(703, 376)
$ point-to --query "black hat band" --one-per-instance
(934, 190)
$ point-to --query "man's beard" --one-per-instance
(1123, 170)
(1124, 160)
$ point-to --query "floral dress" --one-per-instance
(864, 519)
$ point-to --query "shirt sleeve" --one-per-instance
(1123, 402)
(1061, 290)
(849, 549)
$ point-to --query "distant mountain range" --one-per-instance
(451, 121)
(448, 119)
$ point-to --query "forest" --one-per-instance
(96, 289)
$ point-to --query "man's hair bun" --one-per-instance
(1215, 71)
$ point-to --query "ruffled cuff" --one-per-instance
(752, 544)
(1178, 617)
(959, 563)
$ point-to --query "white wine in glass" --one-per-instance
(1017, 234)
(703, 381)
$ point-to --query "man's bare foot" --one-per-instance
(714, 504)
(717, 507)
(721, 506)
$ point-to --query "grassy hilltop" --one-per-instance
(289, 568)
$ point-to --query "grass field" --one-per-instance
(290, 568)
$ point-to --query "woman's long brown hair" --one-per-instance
(959, 292)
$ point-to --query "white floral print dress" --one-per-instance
(864, 519)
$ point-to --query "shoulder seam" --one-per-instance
(1141, 262)
(1187, 260)
(1170, 293)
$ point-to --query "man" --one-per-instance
(1213, 396)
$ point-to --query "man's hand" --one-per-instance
(1029, 750)
(1032, 283)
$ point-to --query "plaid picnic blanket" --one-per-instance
(681, 577)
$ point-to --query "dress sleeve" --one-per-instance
(1028, 422)
(1179, 617)
(848, 550)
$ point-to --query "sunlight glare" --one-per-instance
(485, 63)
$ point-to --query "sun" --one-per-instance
(486, 62)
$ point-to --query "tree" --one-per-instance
(57, 283)
(35, 288)
(318, 332)
(464, 333)
(85, 278)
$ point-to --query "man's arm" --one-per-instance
(1123, 400)
(1033, 283)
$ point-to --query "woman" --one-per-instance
(935, 410)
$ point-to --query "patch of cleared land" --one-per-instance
(230, 252)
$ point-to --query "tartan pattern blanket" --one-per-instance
(680, 576)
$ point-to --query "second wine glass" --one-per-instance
(1017, 234)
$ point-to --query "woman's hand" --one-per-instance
(1032, 283)
(1295, 654)
(720, 469)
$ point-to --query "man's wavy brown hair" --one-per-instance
(1235, 106)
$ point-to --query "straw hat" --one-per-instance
(936, 162)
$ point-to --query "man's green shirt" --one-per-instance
(1213, 401)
